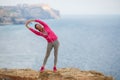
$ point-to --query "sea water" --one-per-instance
(86, 42)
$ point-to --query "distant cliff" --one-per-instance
(20, 13)
(61, 74)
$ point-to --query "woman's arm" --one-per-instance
(36, 32)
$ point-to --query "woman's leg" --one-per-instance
(56, 46)
(49, 48)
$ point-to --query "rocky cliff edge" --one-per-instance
(61, 74)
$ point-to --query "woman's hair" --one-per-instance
(38, 24)
(35, 26)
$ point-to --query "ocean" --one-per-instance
(86, 42)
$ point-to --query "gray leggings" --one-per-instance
(51, 45)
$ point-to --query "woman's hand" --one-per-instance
(27, 22)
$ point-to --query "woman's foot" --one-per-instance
(42, 69)
(54, 69)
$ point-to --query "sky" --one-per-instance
(74, 7)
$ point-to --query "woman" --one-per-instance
(42, 29)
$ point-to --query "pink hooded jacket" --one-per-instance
(50, 36)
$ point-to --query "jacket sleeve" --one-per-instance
(36, 32)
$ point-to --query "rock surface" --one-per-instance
(61, 74)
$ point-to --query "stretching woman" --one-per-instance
(42, 29)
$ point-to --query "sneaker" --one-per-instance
(42, 69)
(54, 69)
